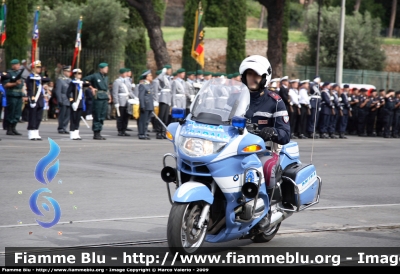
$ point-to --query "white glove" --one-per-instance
(32, 105)
(164, 70)
(133, 101)
(74, 106)
(116, 105)
(156, 104)
(191, 98)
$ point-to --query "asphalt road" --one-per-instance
(110, 192)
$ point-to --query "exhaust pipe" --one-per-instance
(168, 174)
(278, 217)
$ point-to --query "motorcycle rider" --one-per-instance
(267, 110)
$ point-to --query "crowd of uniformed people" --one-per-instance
(316, 109)
(327, 110)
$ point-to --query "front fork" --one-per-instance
(206, 208)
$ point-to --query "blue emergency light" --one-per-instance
(239, 122)
(178, 113)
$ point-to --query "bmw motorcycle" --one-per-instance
(220, 189)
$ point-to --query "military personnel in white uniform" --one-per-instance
(191, 86)
(305, 109)
(121, 94)
(294, 107)
(179, 90)
(63, 102)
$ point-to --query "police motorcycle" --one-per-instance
(220, 191)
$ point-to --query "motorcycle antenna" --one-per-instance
(315, 123)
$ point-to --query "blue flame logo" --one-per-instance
(40, 176)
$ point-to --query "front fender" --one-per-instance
(191, 192)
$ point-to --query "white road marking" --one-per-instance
(166, 216)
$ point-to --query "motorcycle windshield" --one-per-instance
(219, 100)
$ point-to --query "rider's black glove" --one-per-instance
(268, 134)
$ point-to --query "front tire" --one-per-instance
(267, 235)
(182, 234)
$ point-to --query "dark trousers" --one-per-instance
(302, 120)
(163, 114)
(293, 117)
(25, 112)
(371, 118)
(362, 115)
(100, 107)
(343, 123)
(63, 117)
(89, 102)
(332, 122)
(324, 125)
(313, 120)
(396, 123)
(353, 121)
(75, 119)
(380, 120)
(14, 109)
(123, 119)
(144, 120)
(387, 123)
(35, 117)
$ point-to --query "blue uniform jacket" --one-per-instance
(267, 109)
(344, 103)
(326, 105)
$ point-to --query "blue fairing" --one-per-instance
(289, 154)
(191, 192)
(172, 127)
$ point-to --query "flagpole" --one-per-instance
(80, 48)
(37, 41)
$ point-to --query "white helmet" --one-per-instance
(260, 65)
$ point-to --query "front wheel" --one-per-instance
(182, 232)
(267, 235)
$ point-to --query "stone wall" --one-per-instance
(215, 52)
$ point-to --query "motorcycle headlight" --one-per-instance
(197, 147)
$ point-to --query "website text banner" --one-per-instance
(231, 256)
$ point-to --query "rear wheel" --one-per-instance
(182, 232)
(267, 235)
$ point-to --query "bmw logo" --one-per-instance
(236, 177)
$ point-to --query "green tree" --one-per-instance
(361, 40)
(16, 44)
(135, 50)
(236, 46)
(285, 30)
(189, 15)
(103, 36)
(150, 12)
(375, 8)
(216, 13)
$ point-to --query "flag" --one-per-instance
(198, 39)
(78, 44)
(35, 36)
(3, 15)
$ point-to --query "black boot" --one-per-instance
(9, 130)
(333, 136)
(120, 133)
(14, 130)
(341, 136)
(324, 136)
(96, 135)
(159, 136)
(102, 138)
(125, 134)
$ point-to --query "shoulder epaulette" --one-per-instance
(275, 96)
